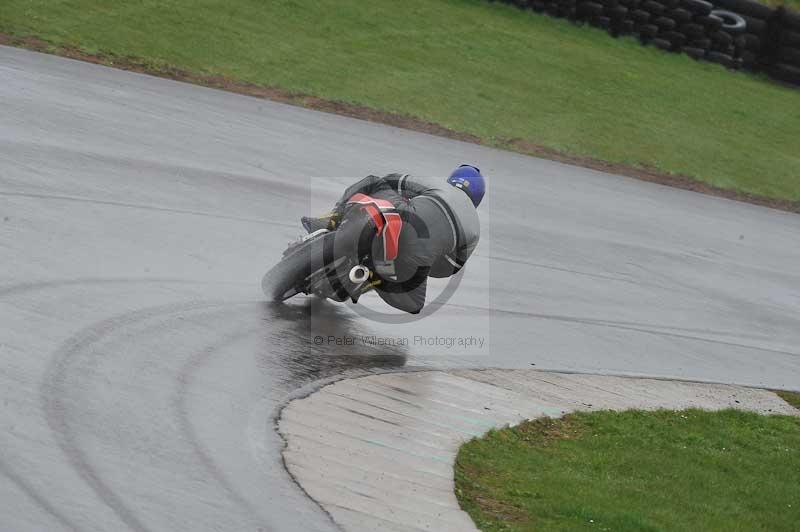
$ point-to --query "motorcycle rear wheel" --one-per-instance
(287, 278)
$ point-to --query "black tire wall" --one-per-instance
(769, 41)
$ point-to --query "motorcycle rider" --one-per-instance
(440, 229)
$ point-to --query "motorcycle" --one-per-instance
(338, 264)
(309, 266)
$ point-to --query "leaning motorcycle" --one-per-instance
(338, 264)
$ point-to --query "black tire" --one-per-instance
(648, 31)
(601, 22)
(694, 53)
(630, 4)
(705, 43)
(731, 22)
(720, 58)
(749, 60)
(693, 30)
(737, 47)
(552, 9)
(665, 23)
(653, 7)
(567, 11)
(538, 6)
(748, 41)
(790, 56)
(589, 10)
(298, 264)
(791, 20)
(698, 7)
(711, 24)
(676, 38)
(723, 49)
(617, 13)
(626, 27)
(754, 25)
(789, 38)
(640, 16)
(722, 38)
(680, 15)
(785, 73)
(750, 8)
(662, 44)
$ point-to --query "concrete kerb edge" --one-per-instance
(315, 386)
(618, 374)
(311, 388)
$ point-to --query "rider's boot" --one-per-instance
(327, 221)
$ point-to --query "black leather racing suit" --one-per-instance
(440, 231)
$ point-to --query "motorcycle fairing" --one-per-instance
(388, 223)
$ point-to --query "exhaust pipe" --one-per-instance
(359, 274)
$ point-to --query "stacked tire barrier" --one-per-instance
(734, 33)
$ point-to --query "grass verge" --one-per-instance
(793, 398)
(791, 4)
(665, 470)
(481, 71)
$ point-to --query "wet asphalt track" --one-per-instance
(140, 366)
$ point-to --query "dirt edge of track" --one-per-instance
(362, 112)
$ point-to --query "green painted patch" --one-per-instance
(642, 471)
(473, 66)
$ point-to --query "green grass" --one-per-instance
(793, 398)
(792, 4)
(666, 470)
(477, 67)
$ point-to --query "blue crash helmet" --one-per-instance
(469, 179)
